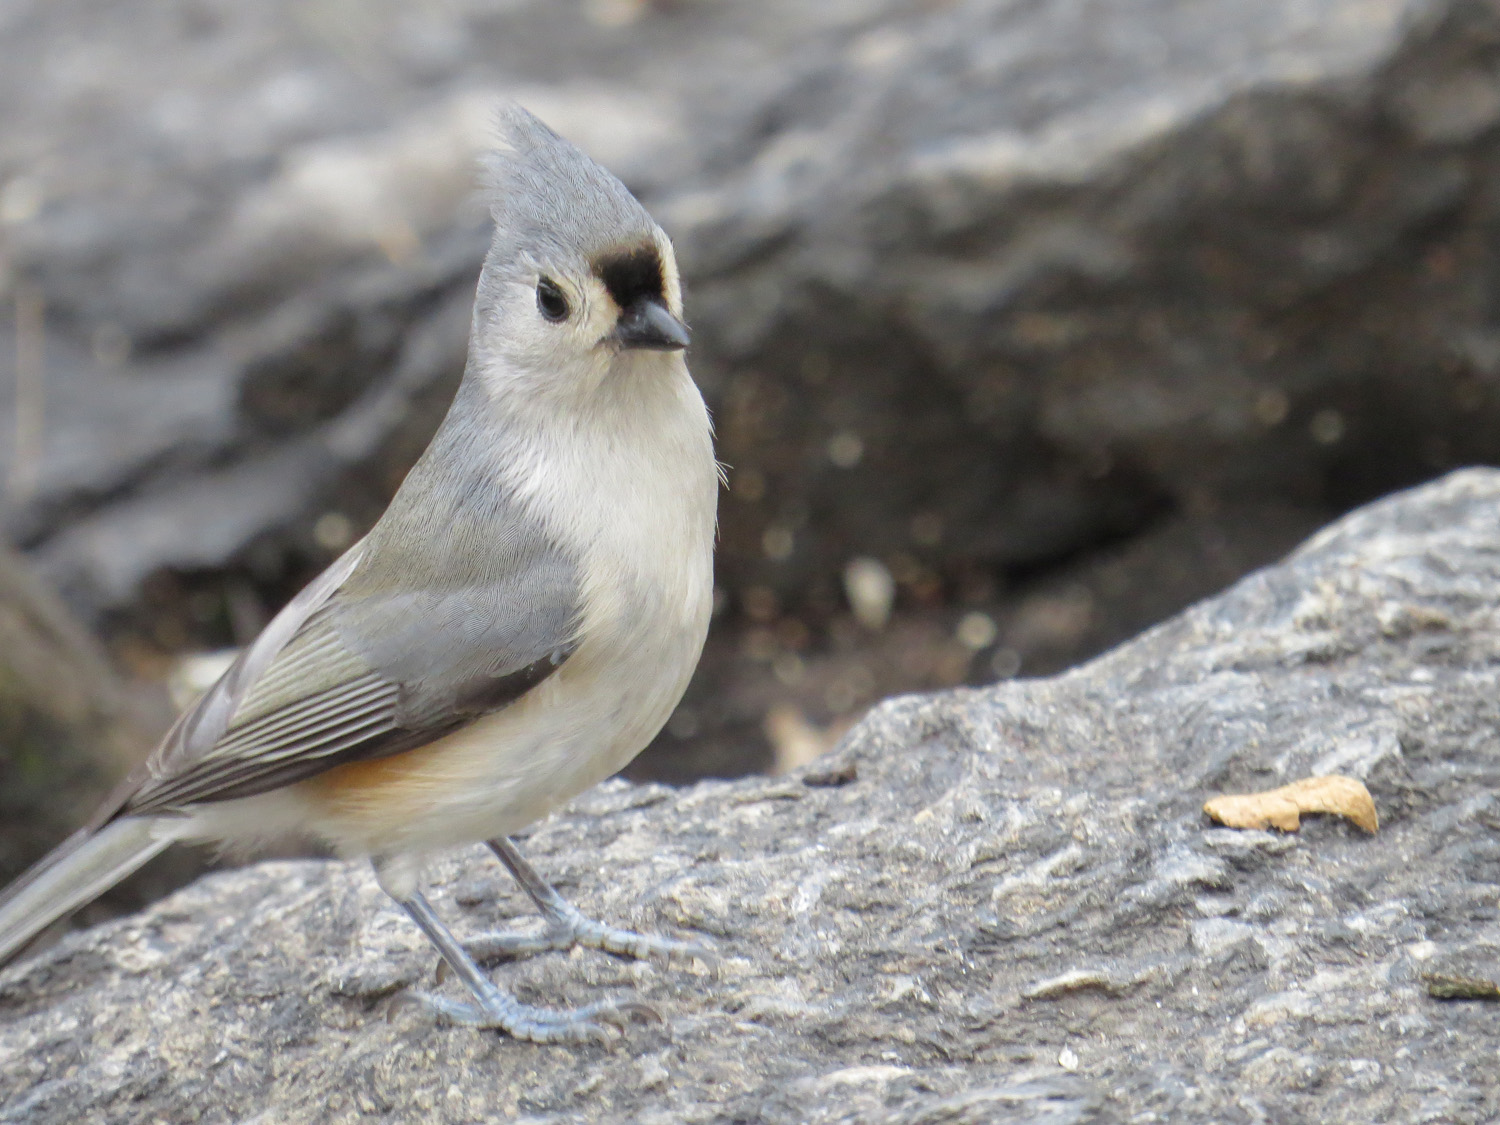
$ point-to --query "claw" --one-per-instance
(632, 1011)
(679, 950)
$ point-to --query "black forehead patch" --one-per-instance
(632, 275)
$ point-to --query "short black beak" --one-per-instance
(648, 324)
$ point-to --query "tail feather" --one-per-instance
(75, 873)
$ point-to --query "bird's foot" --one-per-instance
(497, 1009)
(567, 926)
(493, 1007)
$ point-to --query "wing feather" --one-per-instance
(278, 732)
(359, 666)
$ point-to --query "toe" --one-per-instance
(623, 1013)
(601, 1022)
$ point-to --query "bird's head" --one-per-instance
(580, 287)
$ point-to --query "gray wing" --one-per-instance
(364, 663)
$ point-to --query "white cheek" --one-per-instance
(557, 363)
(671, 278)
(598, 315)
(532, 338)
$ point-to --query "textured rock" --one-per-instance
(1061, 266)
(1027, 275)
(70, 726)
(988, 905)
(976, 287)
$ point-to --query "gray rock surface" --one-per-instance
(977, 287)
(981, 284)
(70, 725)
(988, 905)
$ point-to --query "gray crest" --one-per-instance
(551, 202)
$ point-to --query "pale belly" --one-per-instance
(504, 771)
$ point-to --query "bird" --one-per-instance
(519, 623)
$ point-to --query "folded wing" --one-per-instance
(359, 667)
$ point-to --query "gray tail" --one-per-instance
(73, 874)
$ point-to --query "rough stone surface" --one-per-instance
(987, 905)
(70, 726)
(1033, 272)
(976, 287)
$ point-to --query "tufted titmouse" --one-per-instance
(516, 627)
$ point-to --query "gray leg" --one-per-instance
(496, 1008)
(567, 926)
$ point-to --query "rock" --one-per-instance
(977, 287)
(1056, 269)
(997, 904)
(70, 725)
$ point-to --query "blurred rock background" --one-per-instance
(1024, 322)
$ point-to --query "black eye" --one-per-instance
(550, 300)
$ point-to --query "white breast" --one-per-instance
(631, 488)
(642, 520)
